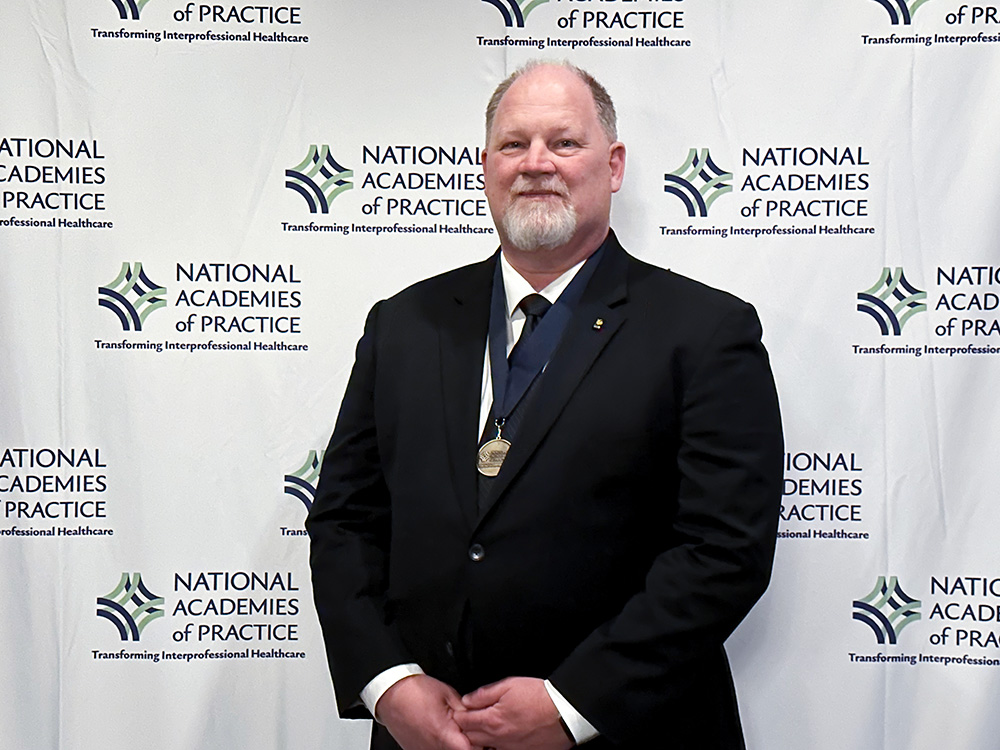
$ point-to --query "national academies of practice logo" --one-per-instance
(301, 483)
(887, 610)
(892, 301)
(132, 296)
(514, 12)
(130, 607)
(901, 11)
(698, 182)
(319, 179)
(129, 10)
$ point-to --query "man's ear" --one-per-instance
(616, 160)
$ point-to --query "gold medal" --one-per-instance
(491, 456)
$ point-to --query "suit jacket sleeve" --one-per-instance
(349, 527)
(642, 666)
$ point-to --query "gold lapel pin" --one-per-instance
(598, 323)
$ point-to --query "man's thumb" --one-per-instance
(483, 697)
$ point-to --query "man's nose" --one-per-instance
(538, 159)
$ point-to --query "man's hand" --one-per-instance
(419, 713)
(513, 714)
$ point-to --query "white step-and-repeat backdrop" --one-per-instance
(200, 202)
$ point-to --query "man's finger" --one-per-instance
(485, 696)
(456, 740)
(478, 733)
(474, 720)
(481, 739)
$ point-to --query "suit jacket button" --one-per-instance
(476, 552)
(449, 648)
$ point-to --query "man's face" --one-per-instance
(549, 168)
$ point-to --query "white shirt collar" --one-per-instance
(516, 288)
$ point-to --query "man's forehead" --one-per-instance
(550, 91)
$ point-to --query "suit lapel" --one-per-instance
(462, 340)
(598, 316)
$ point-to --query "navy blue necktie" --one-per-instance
(534, 307)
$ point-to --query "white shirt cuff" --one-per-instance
(385, 680)
(581, 729)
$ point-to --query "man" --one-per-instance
(572, 560)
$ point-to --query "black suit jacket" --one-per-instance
(630, 530)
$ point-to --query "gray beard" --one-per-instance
(533, 226)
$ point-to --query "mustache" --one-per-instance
(552, 184)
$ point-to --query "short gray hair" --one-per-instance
(602, 100)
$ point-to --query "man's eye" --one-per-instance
(566, 143)
(512, 145)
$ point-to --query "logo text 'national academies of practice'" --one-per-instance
(892, 301)
(887, 610)
(130, 606)
(319, 179)
(698, 182)
(901, 11)
(132, 296)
